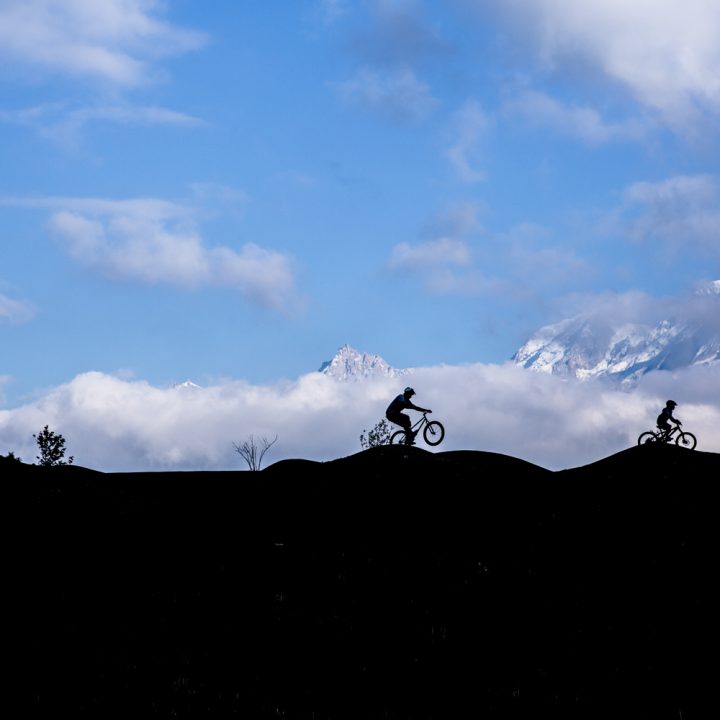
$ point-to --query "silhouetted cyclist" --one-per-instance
(394, 413)
(665, 417)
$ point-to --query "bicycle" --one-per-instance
(433, 432)
(682, 439)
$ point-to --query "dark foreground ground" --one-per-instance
(395, 583)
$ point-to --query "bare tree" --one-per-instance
(252, 453)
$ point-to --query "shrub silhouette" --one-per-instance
(52, 448)
(379, 435)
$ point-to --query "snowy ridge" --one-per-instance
(187, 385)
(351, 364)
(709, 288)
(589, 346)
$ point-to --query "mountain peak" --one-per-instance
(351, 364)
(587, 346)
(710, 287)
(186, 384)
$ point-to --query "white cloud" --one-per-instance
(663, 52)
(115, 41)
(157, 241)
(397, 94)
(586, 123)
(534, 261)
(682, 212)
(548, 267)
(523, 264)
(116, 44)
(400, 35)
(456, 220)
(445, 265)
(469, 128)
(62, 124)
(396, 42)
(445, 260)
(333, 10)
(15, 311)
(616, 308)
(215, 194)
(113, 424)
(443, 251)
(4, 380)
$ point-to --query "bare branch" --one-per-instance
(251, 453)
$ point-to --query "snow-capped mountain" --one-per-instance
(351, 364)
(709, 288)
(187, 385)
(588, 346)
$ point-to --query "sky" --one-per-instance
(228, 192)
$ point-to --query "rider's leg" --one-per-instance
(403, 421)
(409, 434)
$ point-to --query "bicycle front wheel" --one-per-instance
(398, 438)
(434, 433)
(647, 437)
(686, 440)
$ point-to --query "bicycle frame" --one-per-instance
(433, 432)
(419, 423)
(662, 435)
(682, 438)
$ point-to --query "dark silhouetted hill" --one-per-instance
(394, 583)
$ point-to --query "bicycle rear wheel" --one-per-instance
(398, 438)
(686, 440)
(434, 433)
(647, 437)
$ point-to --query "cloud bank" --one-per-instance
(113, 424)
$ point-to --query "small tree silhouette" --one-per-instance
(52, 448)
(11, 457)
(251, 453)
(379, 435)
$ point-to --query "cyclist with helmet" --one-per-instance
(394, 413)
(665, 416)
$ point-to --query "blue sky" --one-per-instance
(230, 191)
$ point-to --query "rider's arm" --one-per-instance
(419, 409)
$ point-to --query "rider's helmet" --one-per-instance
(409, 391)
(671, 404)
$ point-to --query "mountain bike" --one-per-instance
(432, 430)
(682, 438)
